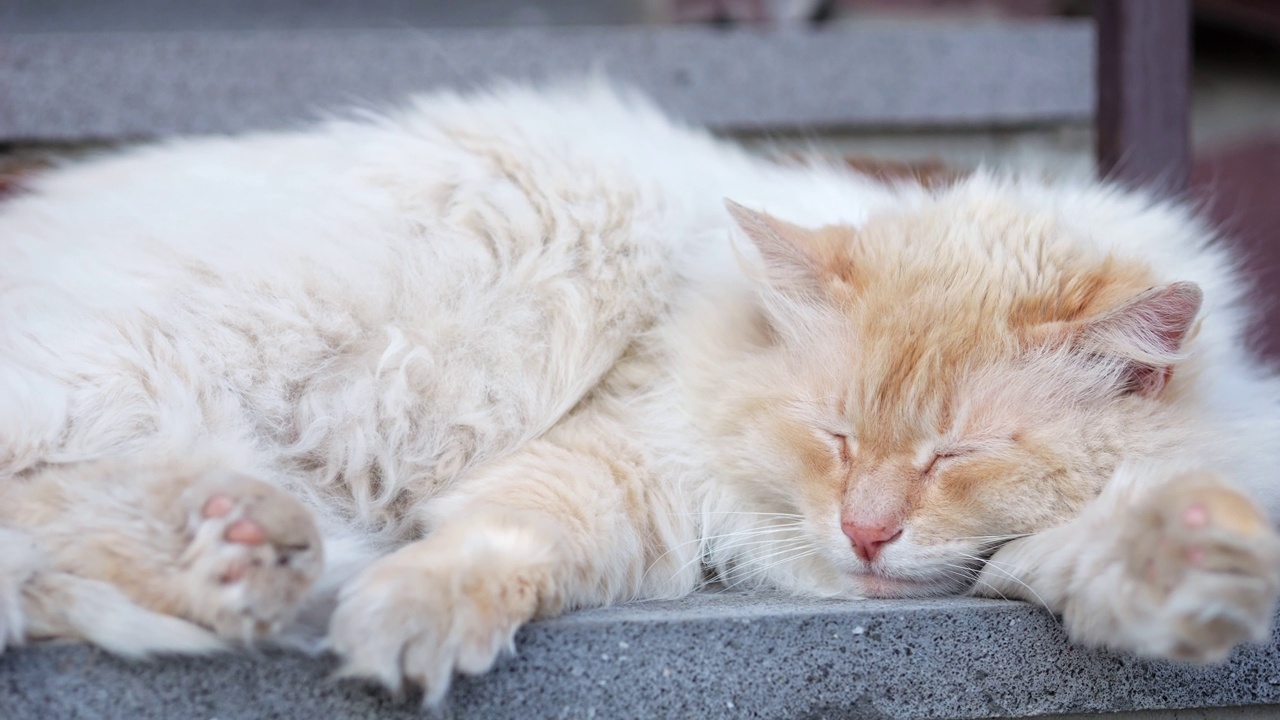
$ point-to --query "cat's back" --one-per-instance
(496, 250)
(371, 219)
(369, 183)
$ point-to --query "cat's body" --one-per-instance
(511, 338)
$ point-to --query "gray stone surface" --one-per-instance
(728, 655)
(111, 85)
(152, 15)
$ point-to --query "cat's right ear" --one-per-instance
(1147, 333)
(789, 268)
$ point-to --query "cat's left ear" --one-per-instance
(790, 268)
(1147, 333)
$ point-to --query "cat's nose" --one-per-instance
(868, 540)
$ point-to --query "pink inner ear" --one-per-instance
(1148, 380)
(790, 268)
(1149, 332)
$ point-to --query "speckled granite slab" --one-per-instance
(727, 655)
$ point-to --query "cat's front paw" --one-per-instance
(419, 616)
(1205, 565)
(253, 553)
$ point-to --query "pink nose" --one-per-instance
(869, 539)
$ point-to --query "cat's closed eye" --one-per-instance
(949, 452)
(841, 442)
(941, 456)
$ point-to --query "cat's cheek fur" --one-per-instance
(990, 496)
(770, 452)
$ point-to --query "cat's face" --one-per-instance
(941, 382)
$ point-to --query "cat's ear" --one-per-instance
(1146, 334)
(789, 267)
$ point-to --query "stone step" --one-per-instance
(714, 655)
(128, 85)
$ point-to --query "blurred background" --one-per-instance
(787, 76)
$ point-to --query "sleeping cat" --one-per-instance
(430, 375)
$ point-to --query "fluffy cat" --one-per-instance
(432, 374)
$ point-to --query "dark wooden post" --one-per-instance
(1144, 93)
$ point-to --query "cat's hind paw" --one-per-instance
(1206, 569)
(253, 554)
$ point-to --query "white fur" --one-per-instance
(401, 319)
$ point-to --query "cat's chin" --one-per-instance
(879, 586)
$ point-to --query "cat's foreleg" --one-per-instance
(1169, 565)
(556, 526)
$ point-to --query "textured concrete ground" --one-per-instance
(727, 655)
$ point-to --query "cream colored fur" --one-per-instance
(495, 357)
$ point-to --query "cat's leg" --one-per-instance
(183, 538)
(19, 560)
(1169, 565)
(561, 524)
(38, 601)
(65, 606)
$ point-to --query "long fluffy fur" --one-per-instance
(513, 356)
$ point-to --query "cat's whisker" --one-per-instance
(995, 538)
(776, 556)
(996, 566)
(783, 546)
(976, 577)
(979, 581)
(968, 573)
(749, 513)
(757, 575)
(745, 532)
(955, 574)
(797, 554)
(779, 542)
(703, 553)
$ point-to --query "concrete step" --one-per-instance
(714, 655)
(129, 85)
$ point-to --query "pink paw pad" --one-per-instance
(245, 532)
(217, 506)
(1196, 516)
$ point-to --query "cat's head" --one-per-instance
(933, 383)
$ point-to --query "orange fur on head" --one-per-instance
(962, 373)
